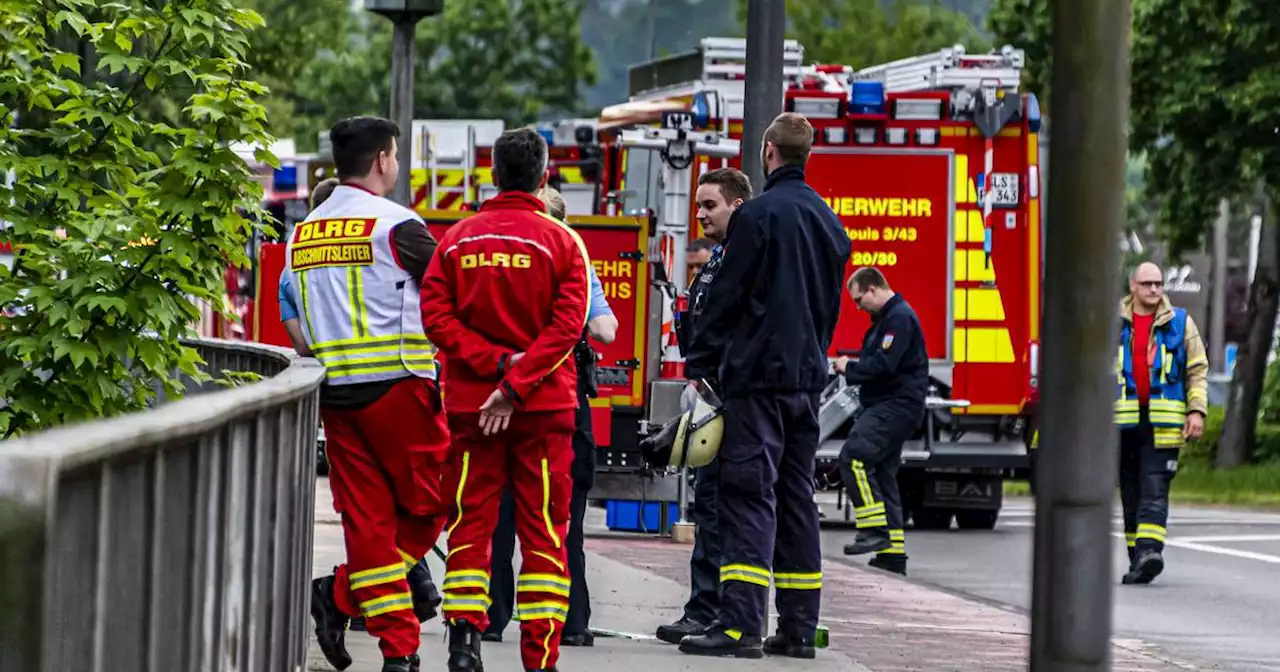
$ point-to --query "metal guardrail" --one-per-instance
(174, 539)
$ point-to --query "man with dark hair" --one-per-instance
(507, 301)
(697, 255)
(762, 342)
(353, 267)
(893, 372)
(720, 193)
(602, 326)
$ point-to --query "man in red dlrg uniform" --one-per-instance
(505, 299)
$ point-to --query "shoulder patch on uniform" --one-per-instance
(887, 342)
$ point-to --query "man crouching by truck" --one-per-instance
(893, 372)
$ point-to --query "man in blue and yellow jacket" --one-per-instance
(1161, 399)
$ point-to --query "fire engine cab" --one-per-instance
(931, 163)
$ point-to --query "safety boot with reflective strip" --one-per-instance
(723, 642)
(464, 648)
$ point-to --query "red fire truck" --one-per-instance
(932, 164)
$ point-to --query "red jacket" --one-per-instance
(510, 279)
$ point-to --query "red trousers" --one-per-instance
(534, 454)
(386, 461)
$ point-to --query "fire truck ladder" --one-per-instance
(983, 87)
(437, 161)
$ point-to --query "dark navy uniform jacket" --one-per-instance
(698, 298)
(894, 365)
(771, 310)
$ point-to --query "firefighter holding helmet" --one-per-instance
(354, 267)
(507, 301)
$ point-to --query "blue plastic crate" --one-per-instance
(625, 516)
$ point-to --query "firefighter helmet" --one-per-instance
(693, 438)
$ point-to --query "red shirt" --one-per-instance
(510, 279)
(1141, 359)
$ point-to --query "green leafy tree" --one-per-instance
(489, 59)
(1026, 24)
(1206, 105)
(294, 33)
(122, 219)
(861, 33)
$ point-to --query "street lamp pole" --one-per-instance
(404, 16)
(1076, 469)
(766, 36)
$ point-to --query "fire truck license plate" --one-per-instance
(1004, 190)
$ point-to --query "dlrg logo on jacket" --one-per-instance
(495, 260)
(332, 242)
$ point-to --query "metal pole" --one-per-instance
(766, 30)
(1071, 594)
(1218, 297)
(402, 50)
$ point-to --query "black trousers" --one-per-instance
(704, 565)
(869, 464)
(767, 515)
(502, 583)
(1145, 474)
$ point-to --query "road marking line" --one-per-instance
(1232, 538)
(1248, 555)
(1205, 548)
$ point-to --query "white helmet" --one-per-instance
(693, 438)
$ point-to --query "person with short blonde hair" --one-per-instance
(555, 202)
(791, 137)
(322, 191)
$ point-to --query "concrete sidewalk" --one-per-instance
(877, 621)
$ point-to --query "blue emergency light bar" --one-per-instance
(700, 108)
(866, 98)
(285, 178)
(548, 134)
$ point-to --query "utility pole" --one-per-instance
(1218, 293)
(1076, 473)
(766, 31)
(404, 16)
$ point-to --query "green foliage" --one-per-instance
(293, 35)
(497, 59)
(1202, 452)
(152, 209)
(861, 33)
(231, 379)
(1027, 25)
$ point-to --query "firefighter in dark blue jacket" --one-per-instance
(720, 193)
(893, 374)
(762, 341)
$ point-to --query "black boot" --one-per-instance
(1148, 567)
(405, 664)
(716, 642)
(789, 646)
(578, 639)
(890, 563)
(331, 623)
(426, 597)
(464, 648)
(672, 634)
(869, 541)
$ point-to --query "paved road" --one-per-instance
(1216, 603)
